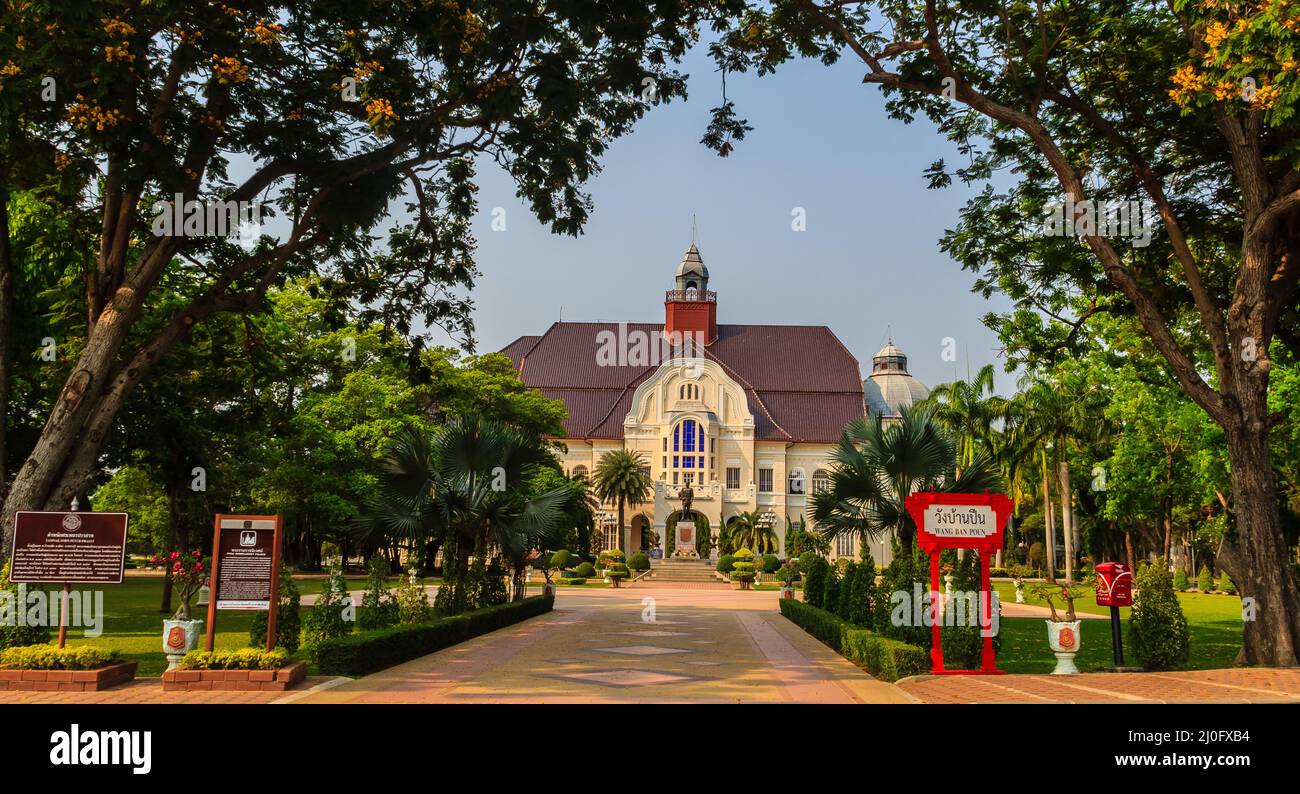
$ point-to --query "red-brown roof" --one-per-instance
(801, 383)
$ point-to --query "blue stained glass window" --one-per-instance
(688, 430)
(688, 462)
(677, 439)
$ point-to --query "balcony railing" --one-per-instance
(706, 296)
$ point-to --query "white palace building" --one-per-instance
(749, 426)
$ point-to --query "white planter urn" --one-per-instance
(1020, 593)
(787, 591)
(1064, 638)
(947, 586)
(179, 638)
(548, 589)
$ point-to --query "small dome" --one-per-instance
(692, 263)
(890, 387)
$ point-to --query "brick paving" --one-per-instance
(150, 690)
(1236, 685)
(632, 645)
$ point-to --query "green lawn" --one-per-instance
(1213, 620)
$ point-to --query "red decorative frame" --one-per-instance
(984, 546)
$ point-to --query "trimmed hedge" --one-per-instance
(242, 659)
(48, 657)
(359, 654)
(888, 660)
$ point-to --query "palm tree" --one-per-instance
(750, 530)
(466, 483)
(968, 409)
(1057, 417)
(1013, 449)
(621, 478)
(876, 467)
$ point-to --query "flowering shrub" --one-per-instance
(188, 572)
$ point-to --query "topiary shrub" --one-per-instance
(615, 572)
(831, 590)
(1205, 582)
(1181, 582)
(815, 575)
(771, 564)
(413, 600)
(585, 570)
(328, 618)
(1157, 625)
(1226, 585)
(378, 605)
(725, 562)
(638, 562)
(572, 580)
(559, 560)
(288, 619)
(742, 568)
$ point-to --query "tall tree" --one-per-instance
(1188, 106)
(336, 111)
(968, 409)
(621, 478)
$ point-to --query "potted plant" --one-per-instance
(1019, 573)
(789, 574)
(607, 558)
(181, 634)
(1062, 635)
(549, 564)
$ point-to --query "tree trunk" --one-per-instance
(1049, 529)
(1255, 555)
(1128, 547)
(173, 533)
(7, 271)
(1067, 515)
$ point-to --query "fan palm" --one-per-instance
(748, 529)
(621, 478)
(466, 483)
(876, 467)
(968, 409)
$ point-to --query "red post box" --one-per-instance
(1114, 585)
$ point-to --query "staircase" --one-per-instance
(680, 570)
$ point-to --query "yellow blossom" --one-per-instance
(229, 69)
(1215, 33)
(117, 28)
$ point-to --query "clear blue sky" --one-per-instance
(868, 262)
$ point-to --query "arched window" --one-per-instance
(688, 453)
(797, 481)
(820, 481)
(579, 471)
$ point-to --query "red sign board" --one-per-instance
(1114, 585)
(68, 547)
(960, 521)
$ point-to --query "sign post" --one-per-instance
(67, 547)
(1115, 590)
(245, 569)
(960, 521)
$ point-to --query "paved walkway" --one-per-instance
(631, 645)
(1236, 685)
